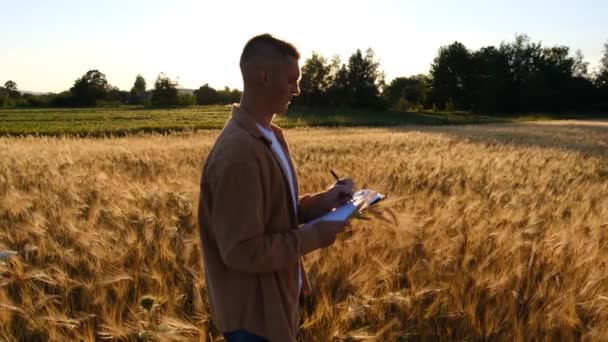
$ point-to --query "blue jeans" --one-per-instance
(242, 336)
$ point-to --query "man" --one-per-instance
(249, 210)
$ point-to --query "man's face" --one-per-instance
(284, 85)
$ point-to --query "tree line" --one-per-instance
(93, 89)
(517, 76)
(357, 83)
(520, 76)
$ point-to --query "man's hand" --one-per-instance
(328, 231)
(339, 193)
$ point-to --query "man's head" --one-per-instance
(270, 71)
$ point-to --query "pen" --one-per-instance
(335, 175)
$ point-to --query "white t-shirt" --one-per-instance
(277, 149)
(280, 154)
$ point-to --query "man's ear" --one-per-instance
(264, 78)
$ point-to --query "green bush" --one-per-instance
(402, 105)
(449, 105)
(4, 101)
(186, 100)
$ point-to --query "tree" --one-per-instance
(165, 91)
(138, 93)
(339, 92)
(365, 79)
(186, 100)
(117, 96)
(357, 84)
(524, 60)
(3, 98)
(451, 75)
(580, 67)
(10, 88)
(315, 81)
(90, 88)
(519, 76)
(553, 81)
(404, 92)
(206, 95)
(601, 79)
(139, 87)
(490, 81)
(229, 96)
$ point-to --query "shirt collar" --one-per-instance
(246, 121)
(267, 132)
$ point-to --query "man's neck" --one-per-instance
(260, 114)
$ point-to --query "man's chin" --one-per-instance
(283, 111)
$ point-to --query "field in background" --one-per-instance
(492, 231)
(129, 120)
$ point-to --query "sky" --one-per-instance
(46, 45)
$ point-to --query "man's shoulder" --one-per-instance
(233, 146)
(233, 133)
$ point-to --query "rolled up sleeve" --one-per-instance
(310, 207)
(238, 224)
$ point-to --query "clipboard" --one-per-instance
(361, 200)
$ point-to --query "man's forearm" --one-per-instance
(312, 206)
(276, 251)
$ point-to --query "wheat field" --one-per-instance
(490, 232)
